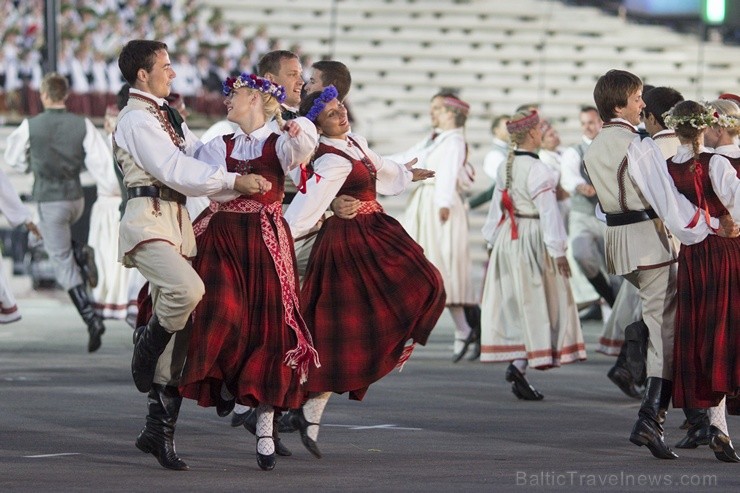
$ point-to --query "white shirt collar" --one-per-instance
(260, 134)
(622, 120)
(159, 101)
(664, 132)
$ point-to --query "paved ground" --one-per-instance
(68, 421)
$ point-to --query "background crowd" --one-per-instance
(205, 48)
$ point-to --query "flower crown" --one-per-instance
(727, 121)
(697, 120)
(329, 93)
(253, 82)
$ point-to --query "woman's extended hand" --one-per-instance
(418, 174)
(293, 128)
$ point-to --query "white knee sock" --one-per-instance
(462, 329)
(265, 413)
(717, 416)
(521, 365)
(313, 409)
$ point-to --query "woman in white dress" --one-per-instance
(16, 214)
(437, 216)
(529, 317)
(110, 293)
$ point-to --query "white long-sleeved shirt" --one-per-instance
(541, 185)
(140, 134)
(648, 169)
(445, 155)
(570, 168)
(10, 203)
(291, 151)
(94, 144)
(306, 208)
(495, 157)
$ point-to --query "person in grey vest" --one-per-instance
(55, 146)
(586, 231)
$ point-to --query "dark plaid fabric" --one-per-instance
(707, 316)
(368, 289)
(239, 334)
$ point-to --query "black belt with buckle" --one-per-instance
(163, 193)
(630, 217)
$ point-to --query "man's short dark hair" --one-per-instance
(336, 74)
(587, 107)
(270, 62)
(138, 54)
(659, 100)
(612, 91)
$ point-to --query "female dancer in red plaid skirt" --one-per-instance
(706, 339)
(248, 339)
(368, 287)
(707, 320)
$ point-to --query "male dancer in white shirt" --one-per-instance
(153, 146)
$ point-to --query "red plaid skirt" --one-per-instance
(368, 289)
(239, 333)
(707, 339)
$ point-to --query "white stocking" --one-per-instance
(462, 329)
(265, 413)
(717, 416)
(521, 365)
(239, 409)
(312, 411)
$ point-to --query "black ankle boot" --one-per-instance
(158, 436)
(636, 337)
(95, 327)
(280, 448)
(150, 345)
(648, 429)
(84, 256)
(472, 315)
(698, 431)
(284, 423)
(603, 287)
(621, 376)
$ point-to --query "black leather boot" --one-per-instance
(472, 315)
(95, 327)
(621, 376)
(698, 431)
(280, 447)
(149, 345)
(158, 436)
(648, 429)
(603, 287)
(84, 256)
(636, 337)
(284, 424)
